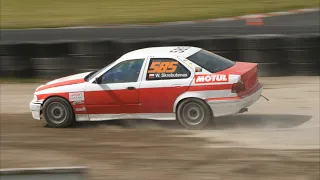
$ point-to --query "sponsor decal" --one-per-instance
(151, 76)
(211, 78)
(78, 102)
(81, 109)
(163, 70)
(163, 67)
(179, 49)
(76, 96)
(171, 75)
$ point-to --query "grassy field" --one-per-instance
(57, 13)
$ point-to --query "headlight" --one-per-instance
(35, 98)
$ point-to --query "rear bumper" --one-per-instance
(35, 108)
(231, 106)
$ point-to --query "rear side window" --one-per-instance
(165, 69)
(210, 61)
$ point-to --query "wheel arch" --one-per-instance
(58, 96)
(177, 103)
(184, 96)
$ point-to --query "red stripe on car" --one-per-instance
(210, 87)
(63, 83)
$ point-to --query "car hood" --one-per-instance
(68, 80)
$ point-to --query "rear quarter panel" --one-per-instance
(208, 90)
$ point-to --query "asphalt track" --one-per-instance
(285, 24)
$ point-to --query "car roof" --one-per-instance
(164, 51)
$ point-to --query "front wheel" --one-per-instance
(194, 114)
(58, 113)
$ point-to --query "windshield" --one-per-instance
(91, 75)
(210, 61)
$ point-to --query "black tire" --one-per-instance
(58, 113)
(190, 109)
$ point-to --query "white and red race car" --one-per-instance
(185, 83)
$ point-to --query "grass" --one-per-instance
(59, 13)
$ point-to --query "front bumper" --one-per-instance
(229, 107)
(35, 108)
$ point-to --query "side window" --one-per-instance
(164, 68)
(126, 71)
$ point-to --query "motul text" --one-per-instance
(211, 78)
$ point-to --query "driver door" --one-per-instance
(118, 92)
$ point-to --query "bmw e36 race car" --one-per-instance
(187, 84)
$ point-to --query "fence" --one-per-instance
(277, 55)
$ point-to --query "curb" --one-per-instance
(43, 170)
(41, 173)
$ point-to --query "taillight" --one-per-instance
(238, 87)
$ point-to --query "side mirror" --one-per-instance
(98, 80)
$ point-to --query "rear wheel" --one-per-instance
(58, 113)
(194, 114)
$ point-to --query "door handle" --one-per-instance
(131, 88)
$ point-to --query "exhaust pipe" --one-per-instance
(264, 97)
(243, 110)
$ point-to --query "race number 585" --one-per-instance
(163, 67)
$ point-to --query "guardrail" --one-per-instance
(52, 173)
(277, 55)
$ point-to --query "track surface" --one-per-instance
(278, 139)
(286, 24)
